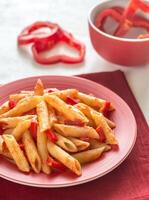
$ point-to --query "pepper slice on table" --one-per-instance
(42, 42)
(28, 36)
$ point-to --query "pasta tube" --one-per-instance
(101, 122)
(20, 129)
(31, 152)
(16, 153)
(43, 151)
(23, 106)
(80, 144)
(62, 156)
(76, 131)
(43, 117)
(94, 144)
(12, 122)
(39, 88)
(88, 156)
(4, 108)
(71, 113)
(65, 143)
(92, 101)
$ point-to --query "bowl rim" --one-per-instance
(106, 34)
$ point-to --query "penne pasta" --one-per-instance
(52, 116)
(17, 97)
(71, 113)
(80, 144)
(39, 88)
(20, 129)
(89, 155)
(92, 101)
(87, 112)
(66, 159)
(43, 116)
(27, 104)
(76, 131)
(101, 122)
(16, 153)
(12, 122)
(94, 144)
(43, 151)
(31, 152)
(63, 94)
(65, 143)
(4, 108)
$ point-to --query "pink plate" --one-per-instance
(125, 131)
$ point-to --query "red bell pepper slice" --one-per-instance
(60, 36)
(114, 147)
(75, 123)
(55, 164)
(28, 36)
(71, 101)
(102, 136)
(33, 128)
(51, 136)
(106, 108)
(11, 104)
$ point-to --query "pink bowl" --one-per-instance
(122, 51)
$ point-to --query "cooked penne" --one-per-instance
(27, 104)
(39, 88)
(80, 144)
(43, 151)
(16, 153)
(87, 112)
(76, 131)
(64, 158)
(94, 144)
(4, 108)
(3, 149)
(92, 101)
(88, 156)
(52, 116)
(17, 97)
(31, 152)
(71, 113)
(63, 94)
(12, 122)
(65, 143)
(100, 121)
(43, 116)
(20, 129)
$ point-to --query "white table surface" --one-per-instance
(71, 15)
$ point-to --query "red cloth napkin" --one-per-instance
(130, 181)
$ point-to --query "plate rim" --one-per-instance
(88, 179)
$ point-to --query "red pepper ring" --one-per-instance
(27, 36)
(59, 36)
(116, 12)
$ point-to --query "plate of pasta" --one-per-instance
(58, 131)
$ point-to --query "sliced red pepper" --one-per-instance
(102, 136)
(71, 101)
(2, 130)
(51, 136)
(60, 36)
(75, 123)
(55, 164)
(33, 128)
(21, 146)
(52, 90)
(11, 104)
(114, 147)
(106, 108)
(27, 36)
